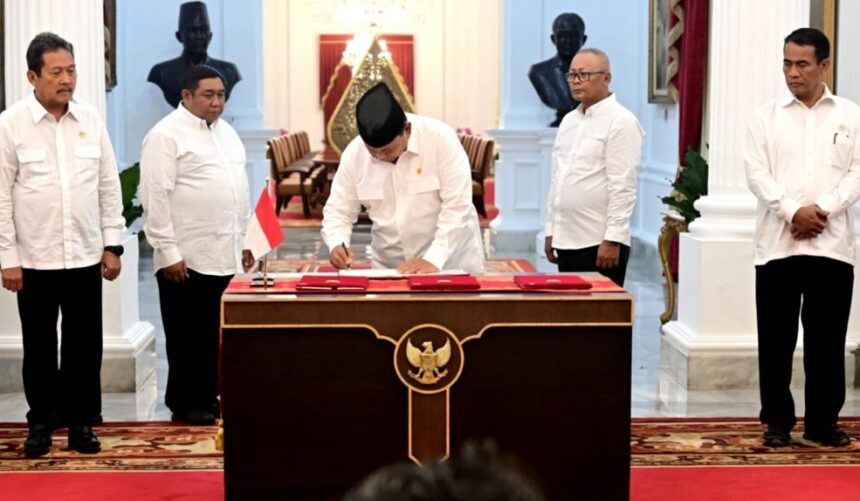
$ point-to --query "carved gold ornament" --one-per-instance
(428, 362)
(374, 68)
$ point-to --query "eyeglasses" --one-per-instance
(583, 76)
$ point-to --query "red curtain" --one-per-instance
(690, 81)
(334, 78)
(691, 74)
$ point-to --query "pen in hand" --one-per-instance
(348, 264)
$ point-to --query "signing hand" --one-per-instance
(341, 257)
(415, 266)
(550, 252)
(111, 265)
(607, 254)
(13, 279)
(176, 273)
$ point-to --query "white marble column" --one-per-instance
(245, 108)
(848, 86)
(523, 139)
(129, 344)
(713, 343)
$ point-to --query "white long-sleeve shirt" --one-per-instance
(797, 156)
(593, 188)
(194, 191)
(60, 199)
(421, 207)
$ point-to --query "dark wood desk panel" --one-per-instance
(559, 399)
(546, 375)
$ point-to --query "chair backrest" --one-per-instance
(304, 143)
(293, 148)
(279, 155)
(273, 162)
(481, 154)
(488, 159)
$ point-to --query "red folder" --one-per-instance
(551, 282)
(443, 283)
(332, 283)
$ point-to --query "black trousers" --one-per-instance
(818, 290)
(191, 314)
(586, 260)
(71, 391)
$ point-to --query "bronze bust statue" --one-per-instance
(194, 35)
(550, 77)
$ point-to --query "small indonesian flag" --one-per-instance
(264, 232)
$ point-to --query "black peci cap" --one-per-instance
(379, 116)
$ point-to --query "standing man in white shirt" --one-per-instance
(194, 191)
(803, 165)
(413, 176)
(593, 188)
(60, 225)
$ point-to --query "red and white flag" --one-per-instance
(264, 232)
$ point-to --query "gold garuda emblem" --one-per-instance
(428, 362)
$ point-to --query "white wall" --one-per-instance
(847, 47)
(146, 36)
(456, 61)
(620, 27)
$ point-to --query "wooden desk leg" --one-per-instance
(429, 427)
(668, 232)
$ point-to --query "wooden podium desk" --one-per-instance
(318, 390)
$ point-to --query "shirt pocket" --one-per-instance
(591, 148)
(840, 152)
(33, 166)
(87, 163)
(369, 195)
(424, 194)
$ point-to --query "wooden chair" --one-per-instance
(481, 153)
(483, 169)
(292, 175)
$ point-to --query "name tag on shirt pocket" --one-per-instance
(423, 185)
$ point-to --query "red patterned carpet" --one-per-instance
(654, 442)
(731, 442)
(706, 459)
(138, 446)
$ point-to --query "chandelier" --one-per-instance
(361, 15)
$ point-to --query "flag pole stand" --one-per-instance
(266, 272)
(265, 204)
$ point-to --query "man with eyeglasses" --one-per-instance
(593, 188)
(413, 176)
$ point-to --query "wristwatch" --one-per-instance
(116, 250)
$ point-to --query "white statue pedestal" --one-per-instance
(523, 174)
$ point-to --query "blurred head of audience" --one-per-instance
(476, 474)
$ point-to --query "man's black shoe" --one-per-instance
(83, 440)
(38, 441)
(777, 436)
(194, 417)
(832, 436)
